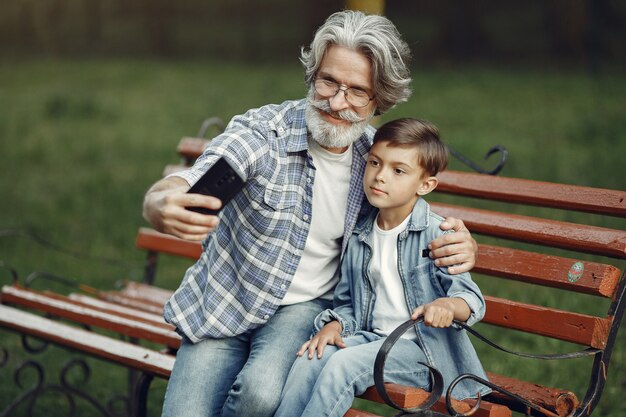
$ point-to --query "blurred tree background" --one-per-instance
(589, 33)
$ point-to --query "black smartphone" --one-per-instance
(220, 181)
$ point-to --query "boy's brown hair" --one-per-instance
(433, 153)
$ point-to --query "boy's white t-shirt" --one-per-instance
(390, 307)
(317, 272)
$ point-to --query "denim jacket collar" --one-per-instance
(419, 221)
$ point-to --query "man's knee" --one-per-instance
(256, 399)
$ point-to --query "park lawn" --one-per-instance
(81, 141)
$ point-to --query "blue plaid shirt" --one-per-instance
(249, 261)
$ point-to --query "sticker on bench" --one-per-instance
(576, 271)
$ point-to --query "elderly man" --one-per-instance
(270, 259)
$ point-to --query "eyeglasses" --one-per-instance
(354, 96)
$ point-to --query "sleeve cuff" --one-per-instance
(348, 327)
(476, 307)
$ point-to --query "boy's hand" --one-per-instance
(454, 250)
(439, 313)
(329, 335)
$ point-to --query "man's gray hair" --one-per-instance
(377, 38)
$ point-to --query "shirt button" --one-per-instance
(308, 180)
(306, 217)
(266, 317)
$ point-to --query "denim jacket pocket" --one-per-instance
(426, 286)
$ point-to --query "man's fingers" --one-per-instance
(455, 250)
(459, 238)
(193, 228)
(190, 237)
(189, 225)
(452, 223)
(461, 268)
(450, 260)
(199, 200)
(457, 263)
(188, 231)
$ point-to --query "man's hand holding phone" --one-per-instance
(220, 181)
(190, 213)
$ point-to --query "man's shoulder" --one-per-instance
(271, 114)
(259, 125)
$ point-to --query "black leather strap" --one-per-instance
(379, 369)
(550, 356)
(436, 377)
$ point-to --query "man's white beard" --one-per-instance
(327, 134)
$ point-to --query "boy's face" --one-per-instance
(393, 179)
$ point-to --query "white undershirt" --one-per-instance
(317, 272)
(390, 308)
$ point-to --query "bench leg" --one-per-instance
(140, 396)
(150, 268)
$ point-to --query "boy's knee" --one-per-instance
(337, 365)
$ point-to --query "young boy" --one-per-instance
(387, 277)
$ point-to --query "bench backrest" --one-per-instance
(504, 261)
(560, 249)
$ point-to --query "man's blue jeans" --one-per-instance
(240, 376)
(326, 387)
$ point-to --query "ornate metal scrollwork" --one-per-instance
(214, 122)
(565, 402)
(4, 359)
(12, 271)
(73, 377)
(504, 153)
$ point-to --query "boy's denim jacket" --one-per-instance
(449, 350)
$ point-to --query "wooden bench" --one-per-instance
(576, 258)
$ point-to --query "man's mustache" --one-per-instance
(347, 115)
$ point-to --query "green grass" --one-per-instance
(81, 141)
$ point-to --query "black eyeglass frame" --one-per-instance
(350, 93)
